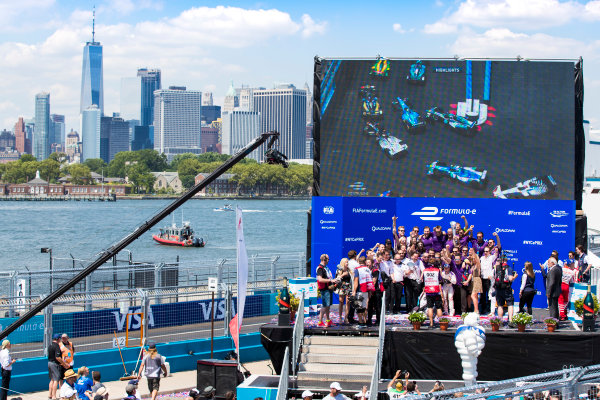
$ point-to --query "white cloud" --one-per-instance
(310, 27)
(520, 14)
(126, 7)
(398, 28)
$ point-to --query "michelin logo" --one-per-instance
(533, 242)
(559, 213)
(520, 213)
(328, 210)
(431, 213)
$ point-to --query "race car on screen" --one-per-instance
(371, 107)
(381, 67)
(468, 175)
(416, 73)
(456, 122)
(534, 187)
(410, 118)
(374, 128)
(391, 145)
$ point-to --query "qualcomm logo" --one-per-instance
(328, 210)
(533, 242)
(559, 213)
(380, 228)
(427, 214)
(505, 230)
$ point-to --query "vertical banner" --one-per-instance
(242, 279)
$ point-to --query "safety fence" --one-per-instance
(374, 385)
(566, 384)
(127, 275)
(125, 318)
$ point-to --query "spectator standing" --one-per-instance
(67, 349)
(325, 283)
(152, 365)
(397, 285)
(477, 281)
(56, 366)
(503, 279)
(568, 277)
(83, 384)
(584, 266)
(439, 239)
(344, 290)
(335, 392)
(433, 289)
(466, 287)
(352, 264)
(448, 282)
(67, 389)
(6, 361)
(490, 254)
(553, 286)
(375, 297)
(527, 290)
(387, 266)
(412, 278)
(363, 284)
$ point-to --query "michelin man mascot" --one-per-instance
(469, 341)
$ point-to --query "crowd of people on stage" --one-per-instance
(451, 271)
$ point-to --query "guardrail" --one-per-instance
(298, 335)
(282, 388)
(374, 388)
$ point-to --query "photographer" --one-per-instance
(503, 279)
(395, 390)
(325, 283)
(411, 387)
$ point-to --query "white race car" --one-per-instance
(391, 145)
(534, 187)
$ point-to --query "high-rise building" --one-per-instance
(57, 131)
(231, 99)
(209, 139)
(90, 132)
(92, 82)
(210, 114)
(20, 135)
(130, 98)
(29, 132)
(141, 138)
(72, 146)
(7, 140)
(239, 128)
(41, 133)
(177, 120)
(150, 81)
(283, 109)
(246, 98)
(309, 103)
(114, 137)
(207, 99)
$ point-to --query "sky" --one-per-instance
(206, 45)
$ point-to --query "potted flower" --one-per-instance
(417, 318)
(444, 321)
(551, 324)
(294, 303)
(495, 322)
(522, 319)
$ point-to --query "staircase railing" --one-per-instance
(282, 387)
(377, 367)
(298, 335)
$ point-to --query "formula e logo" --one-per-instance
(533, 242)
(559, 213)
(428, 214)
(328, 210)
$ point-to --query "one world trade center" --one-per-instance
(92, 88)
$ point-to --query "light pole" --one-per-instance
(51, 261)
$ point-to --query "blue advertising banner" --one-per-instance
(528, 229)
(30, 331)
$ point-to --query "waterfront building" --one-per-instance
(220, 186)
(168, 181)
(73, 146)
(177, 121)
(130, 98)
(20, 136)
(231, 99)
(92, 81)
(283, 109)
(114, 137)
(57, 130)
(40, 187)
(239, 128)
(41, 133)
(209, 139)
(90, 132)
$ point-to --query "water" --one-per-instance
(83, 229)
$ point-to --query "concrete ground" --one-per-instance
(170, 386)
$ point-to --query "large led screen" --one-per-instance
(446, 128)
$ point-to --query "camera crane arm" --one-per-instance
(273, 157)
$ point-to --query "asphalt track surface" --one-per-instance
(532, 132)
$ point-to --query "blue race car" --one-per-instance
(416, 74)
(456, 122)
(410, 118)
(468, 175)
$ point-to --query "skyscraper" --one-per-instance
(57, 131)
(177, 126)
(90, 132)
(283, 109)
(114, 137)
(20, 135)
(207, 99)
(231, 99)
(309, 102)
(239, 128)
(41, 133)
(150, 81)
(92, 86)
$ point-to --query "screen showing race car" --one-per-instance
(446, 128)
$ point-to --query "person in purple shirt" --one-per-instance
(479, 244)
(439, 239)
(427, 238)
(455, 262)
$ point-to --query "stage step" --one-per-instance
(330, 349)
(337, 358)
(327, 378)
(341, 340)
(346, 368)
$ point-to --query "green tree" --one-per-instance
(27, 157)
(117, 167)
(179, 158)
(187, 171)
(80, 174)
(153, 160)
(212, 157)
(60, 157)
(97, 165)
(49, 170)
(141, 177)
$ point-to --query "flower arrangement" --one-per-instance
(444, 319)
(551, 321)
(417, 316)
(522, 318)
(579, 305)
(294, 300)
(495, 320)
(463, 315)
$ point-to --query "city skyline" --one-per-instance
(205, 48)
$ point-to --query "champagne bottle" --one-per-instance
(588, 311)
(284, 300)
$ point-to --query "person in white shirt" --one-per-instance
(412, 273)
(487, 260)
(334, 393)
(397, 284)
(67, 389)
(7, 361)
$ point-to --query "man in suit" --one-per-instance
(553, 286)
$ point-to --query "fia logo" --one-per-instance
(328, 210)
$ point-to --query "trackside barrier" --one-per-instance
(378, 358)
(298, 335)
(282, 388)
